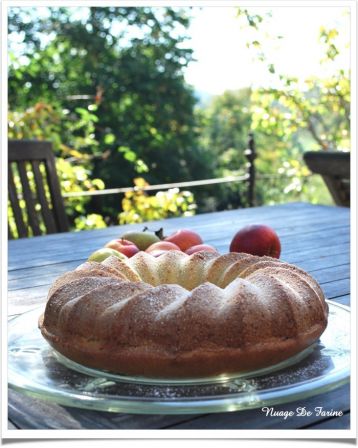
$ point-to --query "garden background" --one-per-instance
(107, 87)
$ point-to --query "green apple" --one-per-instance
(101, 254)
(141, 239)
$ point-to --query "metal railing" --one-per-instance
(193, 183)
(249, 177)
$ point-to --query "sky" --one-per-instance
(225, 63)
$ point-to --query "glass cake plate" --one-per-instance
(35, 369)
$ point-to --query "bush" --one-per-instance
(138, 206)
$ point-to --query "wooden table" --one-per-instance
(316, 238)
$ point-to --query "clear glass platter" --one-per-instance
(35, 369)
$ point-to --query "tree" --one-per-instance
(128, 62)
(225, 126)
(294, 117)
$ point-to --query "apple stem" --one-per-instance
(159, 233)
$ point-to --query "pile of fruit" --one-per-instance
(254, 239)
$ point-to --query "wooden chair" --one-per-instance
(45, 211)
(334, 167)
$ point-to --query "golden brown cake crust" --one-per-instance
(187, 316)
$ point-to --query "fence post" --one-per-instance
(251, 155)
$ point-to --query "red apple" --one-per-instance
(162, 246)
(200, 248)
(184, 238)
(257, 240)
(123, 246)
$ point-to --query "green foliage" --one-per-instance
(314, 111)
(138, 206)
(295, 117)
(225, 125)
(107, 88)
(69, 136)
(91, 221)
(129, 63)
(317, 116)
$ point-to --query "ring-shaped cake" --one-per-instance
(183, 316)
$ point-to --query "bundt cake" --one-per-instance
(183, 316)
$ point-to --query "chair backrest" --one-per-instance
(334, 167)
(34, 186)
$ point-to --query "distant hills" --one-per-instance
(203, 97)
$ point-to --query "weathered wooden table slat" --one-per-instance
(316, 238)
